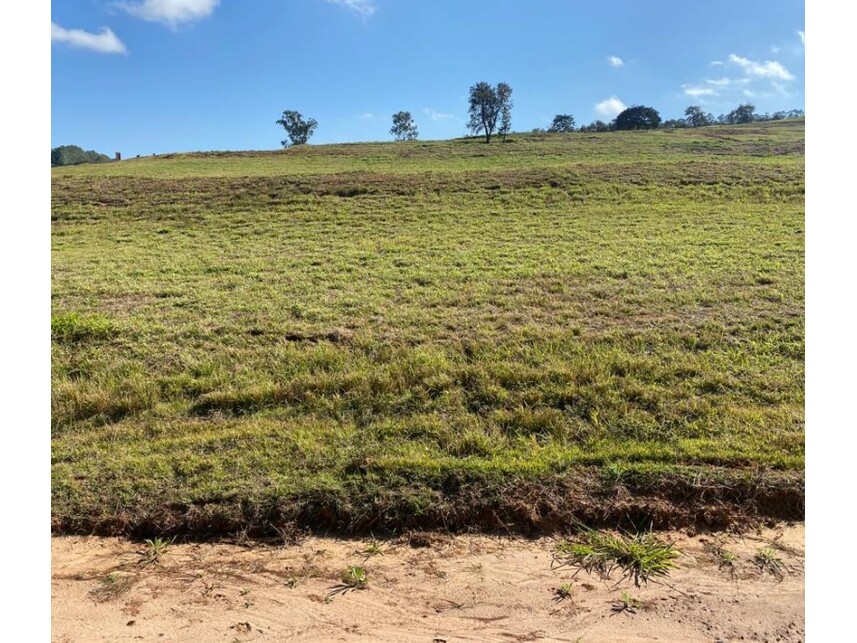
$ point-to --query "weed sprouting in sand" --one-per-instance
(769, 562)
(640, 557)
(372, 548)
(112, 586)
(154, 551)
(626, 603)
(353, 578)
(725, 559)
(562, 592)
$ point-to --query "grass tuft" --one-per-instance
(70, 328)
(769, 562)
(640, 557)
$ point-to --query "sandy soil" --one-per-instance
(464, 588)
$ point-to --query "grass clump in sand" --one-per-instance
(640, 557)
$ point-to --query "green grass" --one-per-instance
(640, 557)
(365, 332)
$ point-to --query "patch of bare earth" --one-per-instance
(429, 588)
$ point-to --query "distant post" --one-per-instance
(118, 156)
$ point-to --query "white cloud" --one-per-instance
(775, 49)
(171, 12)
(367, 116)
(767, 69)
(436, 115)
(610, 107)
(365, 8)
(615, 61)
(802, 39)
(696, 92)
(726, 82)
(717, 63)
(105, 42)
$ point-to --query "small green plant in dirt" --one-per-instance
(641, 557)
(111, 586)
(626, 603)
(154, 551)
(354, 577)
(726, 561)
(769, 563)
(371, 549)
(724, 558)
(562, 592)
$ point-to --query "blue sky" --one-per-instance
(155, 76)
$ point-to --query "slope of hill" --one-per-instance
(605, 327)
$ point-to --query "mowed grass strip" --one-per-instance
(394, 333)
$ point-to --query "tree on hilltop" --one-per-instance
(744, 113)
(297, 128)
(74, 155)
(404, 128)
(562, 123)
(695, 117)
(488, 105)
(638, 117)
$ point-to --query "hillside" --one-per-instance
(606, 327)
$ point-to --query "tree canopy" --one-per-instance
(487, 105)
(404, 128)
(638, 117)
(562, 123)
(298, 129)
(73, 155)
(695, 117)
(744, 113)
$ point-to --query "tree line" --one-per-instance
(74, 155)
(642, 117)
(490, 111)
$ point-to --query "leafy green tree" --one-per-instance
(74, 155)
(562, 123)
(638, 117)
(596, 126)
(744, 113)
(504, 93)
(487, 105)
(695, 117)
(404, 128)
(298, 129)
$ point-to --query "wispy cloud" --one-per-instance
(698, 92)
(767, 69)
(171, 12)
(726, 82)
(610, 107)
(717, 63)
(104, 42)
(364, 8)
(615, 61)
(435, 115)
(366, 116)
(802, 38)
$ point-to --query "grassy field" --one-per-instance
(432, 334)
